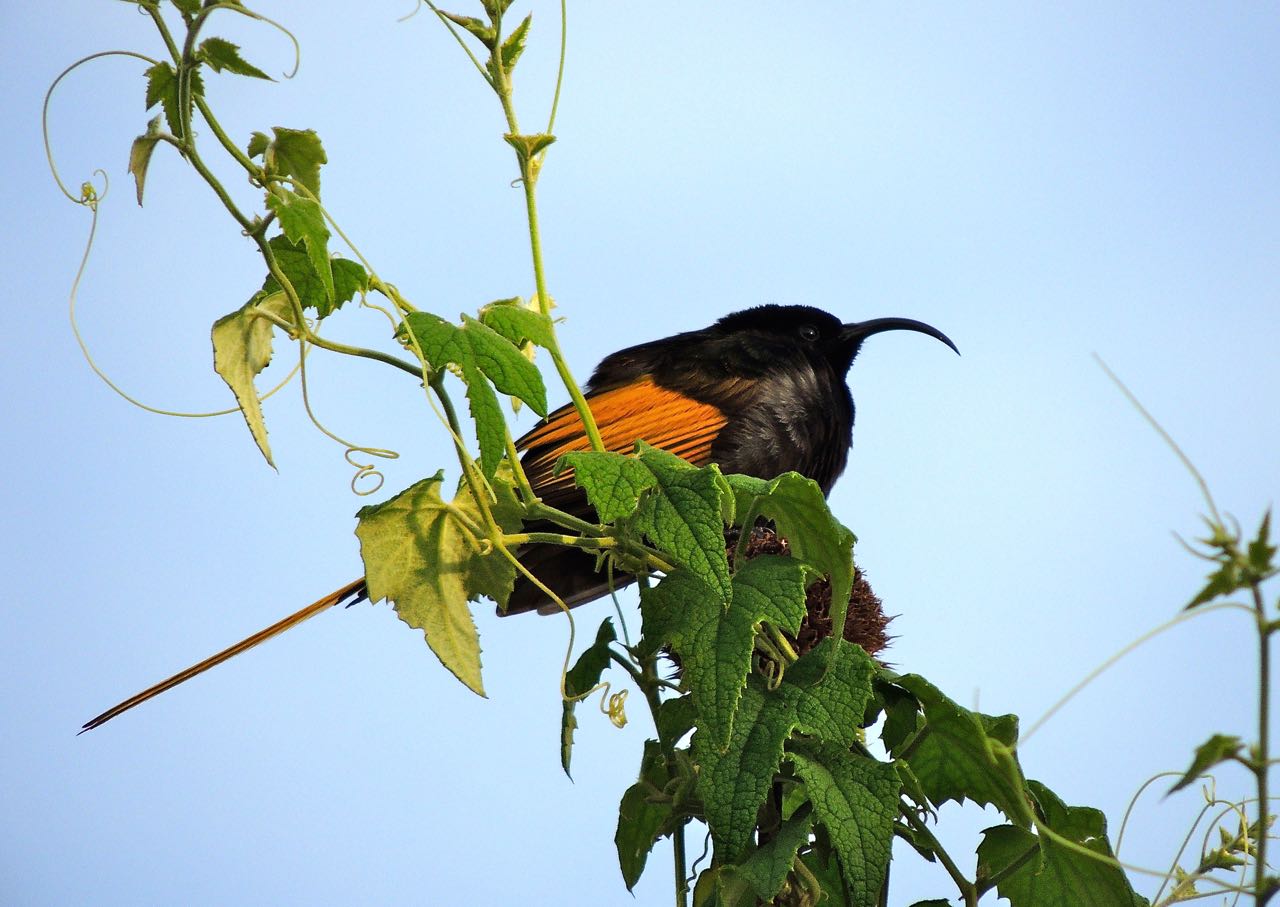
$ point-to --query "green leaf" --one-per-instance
(832, 687)
(800, 513)
(242, 349)
(766, 868)
(1223, 581)
(528, 146)
(505, 365)
(479, 28)
(258, 143)
(640, 820)
(676, 717)
(823, 694)
(856, 798)
(613, 482)
(486, 412)
(963, 754)
(140, 154)
(188, 7)
(221, 54)
(419, 554)
(296, 262)
(715, 638)
(1218, 748)
(495, 8)
(1051, 874)
(303, 222)
(480, 347)
(683, 515)
(162, 89)
(513, 47)
(518, 324)
(293, 152)
(734, 782)
(483, 356)
(584, 675)
(1262, 553)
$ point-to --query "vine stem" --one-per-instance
(968, 890)
(647, 680)
(1262, 887)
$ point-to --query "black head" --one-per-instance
(816, 334)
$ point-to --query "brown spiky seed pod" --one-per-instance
(864, 624)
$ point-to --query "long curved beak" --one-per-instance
(858, 331)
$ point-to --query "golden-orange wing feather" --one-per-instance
(639, 411)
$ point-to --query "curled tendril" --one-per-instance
(368, 470)
(614, 705)
(417, 8)
(91, 198)
(237, 8)
(706, 850)
(363, 470)
(81, 199)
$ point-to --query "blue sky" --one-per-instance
(1042, 184)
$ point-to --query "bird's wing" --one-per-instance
(638, 411)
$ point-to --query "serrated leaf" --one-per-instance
(1218, 748)
(296, 262)
(832, 688)
(482, 30)
(1223, 581)
(733, 782)
(856, 799)
(584, 675)
(486, 412)
(683, 515)
(766, 868)
(481, 347)
(221, 55)
(242, 349)
(303, 222)
(296, 153)
(162, 89)
(640, 821)
(613, 482)
(513, 46)
(140, 154)
(1261, 553)
(715, 638)
(966, 755)
(799, 511)
(1049, 874)
(505, 365)
(258, 143)
(518, 324)
(419, 554)
(528, 146)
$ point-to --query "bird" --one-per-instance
(762, 392)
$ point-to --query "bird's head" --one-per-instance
(815, 334)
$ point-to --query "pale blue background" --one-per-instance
(1040, 183)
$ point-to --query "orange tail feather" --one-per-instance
(354, 591)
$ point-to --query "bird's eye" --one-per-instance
(808, 332)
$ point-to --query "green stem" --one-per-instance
(554, 538)
(1263, 887)
(967, 889)
(648, 681)
(984, 885)
(242, 159)
(165, 34)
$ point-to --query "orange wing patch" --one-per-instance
(640, 411)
